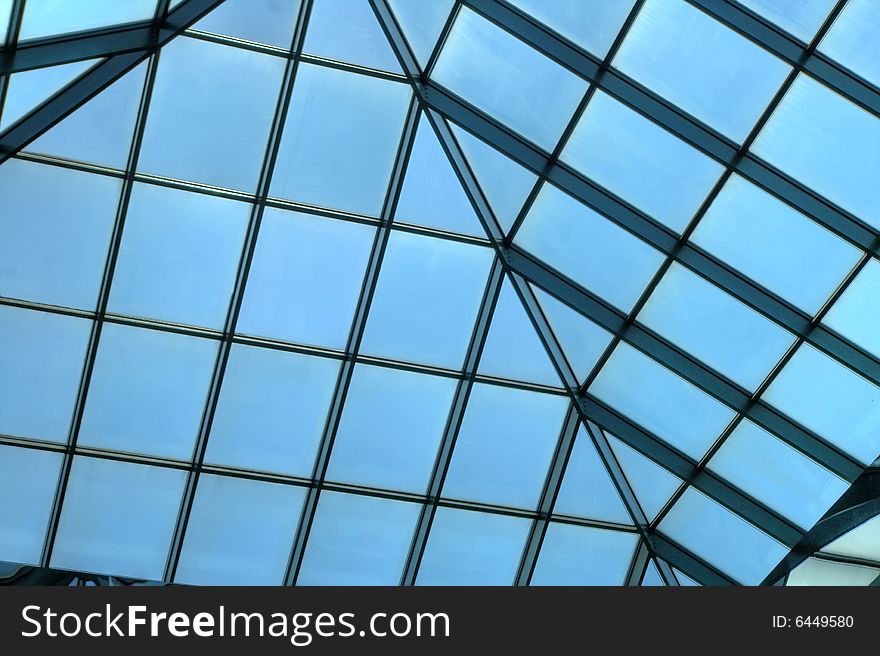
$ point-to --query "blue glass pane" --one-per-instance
(347, 30)
(504, 446)
(358, 540)
(29, 89)
(828, 143)
(179, 256)
(856, 314)
(118, 518)
(659, 400)
(513, 349)
(652, 576)
(240, 532)
(591, 24)
(712, 325)
(705, 68)
(271, 411)
(390, 429)
(5, 12)
(774, 244)
(147, 392)
(861, 542)
(773, 472)
(30, 477)
(802, 18)
(582, 341)
(852, 40)
(210, 114)
(505, 183)
(684, 579)
(54, 233)
(652, 485)
(472, 548)
(50, 17)
(581, 555)
(426, 302)
(421, 23)
(816, 572)
(722, 538)
(100, 131)
(831, 400)
(432, 195)
(41, 357)
(263, 21)
(587, 490)
(560, 230)
(503, 76)
(340, 139)
(305, 278)
(650, 168)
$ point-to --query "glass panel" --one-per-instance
(390, 429)
(340, 139)
(722, 538)
(432, 195)
(650, 168)
(347, 30)
(50, 17)
(428, 295)
(5, 13)
(118, 518)
(591, 24)
(652, 576)
(271, 411)
(582, 341)
(504, 446)
(472, 548)
(587, 490)
(862, 542)
(30, 477)
(240, 532)
(559, 230)
(684, 579)
(581, 555)
(708, 70)
(652, 485)
(41, 357)
(513, 348)
(802, 18)
(712, 325)
(776, 474)
(814, 571)
(421, 23)
(305, 278)
(147, 392)
(505, 183)
(210, 115)
(100, 131)
(264, 21)
(852, 40)
(54, 233)
(358, 540)
(30, 89)
(502, 76)
(774, 245)
(828, 143)
(831, 400)
(856, 314)
(179, 256)
(659, 400)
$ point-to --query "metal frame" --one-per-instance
(126, 46)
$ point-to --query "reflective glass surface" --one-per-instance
(852, 39)
(856, 314)
(580, 555)
(802, 18)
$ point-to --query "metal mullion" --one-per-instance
(16, 12)
(453, 424)
(96, 79)
(237, 297)
(672, 553)
(441, 40)
(103, 299)
(552, 484)
(359, 322)
(638, 566)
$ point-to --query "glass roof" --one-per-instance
(385, 292)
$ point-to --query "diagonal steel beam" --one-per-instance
(98, 78)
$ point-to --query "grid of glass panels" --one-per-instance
(310, 242)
